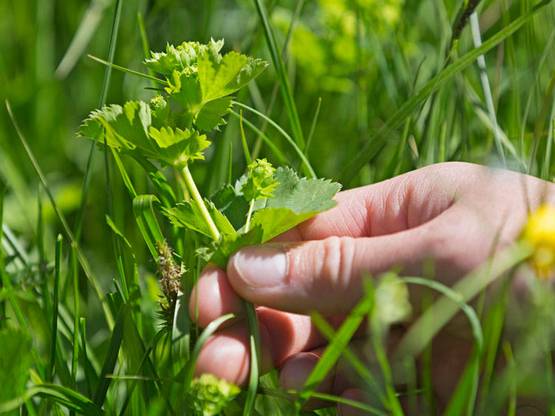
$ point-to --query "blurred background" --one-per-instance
(352, 64)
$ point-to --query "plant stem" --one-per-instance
(193, 190)
(249, 216)
(254, 339)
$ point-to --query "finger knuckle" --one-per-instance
(337, 261)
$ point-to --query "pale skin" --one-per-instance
(456, 214)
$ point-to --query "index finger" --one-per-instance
(387, 207)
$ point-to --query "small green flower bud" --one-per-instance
(260, 180)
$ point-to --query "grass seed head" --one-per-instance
(170, 272)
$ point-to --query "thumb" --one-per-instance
(323, 275)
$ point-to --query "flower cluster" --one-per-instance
(260, 182)
(210, 395)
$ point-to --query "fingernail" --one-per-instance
(261, 266)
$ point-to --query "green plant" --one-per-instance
(170, 132)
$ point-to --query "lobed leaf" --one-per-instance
(222, 77)
(302, 195)
(201, 80)
(132, 129)
(210, 115)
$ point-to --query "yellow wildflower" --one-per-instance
(539, 232)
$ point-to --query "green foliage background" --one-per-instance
(354, 63)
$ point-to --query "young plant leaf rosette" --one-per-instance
(170, 128)
(170, 131)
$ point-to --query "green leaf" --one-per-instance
(15, 356)
(178, 147)
(232, 204)
(210, 116)
(276, 221)
(302, 195)
(112, 125)
(221, 221)
(131, 129)
(222, 77)
(294, 201)
(185, 97)
(198, 85)
(231, 244)
(167, 137)
(188, 215)
(201, 80)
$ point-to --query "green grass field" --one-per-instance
(356, 91)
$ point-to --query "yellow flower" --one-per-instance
(539, 233)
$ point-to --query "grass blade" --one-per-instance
(61, 217)
(356, 363)
(429, 88)
(73, 272)
(110, 360)
(210, 329)
(143, 209)
(55, 305)
(64, 396)
(3, 191)
(456, 298)
(85, 32)
(290, 395)
(255, 351)
(441, 312)
(482, 67)
(127, 70)
(246, 151)
(336, 347)
(90, 375)
(274, 149)
(465, 394)
(145, 359)
(299, 152)
(313, 125)
(279, 66)
(101, 103)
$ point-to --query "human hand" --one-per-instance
(456, 214)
